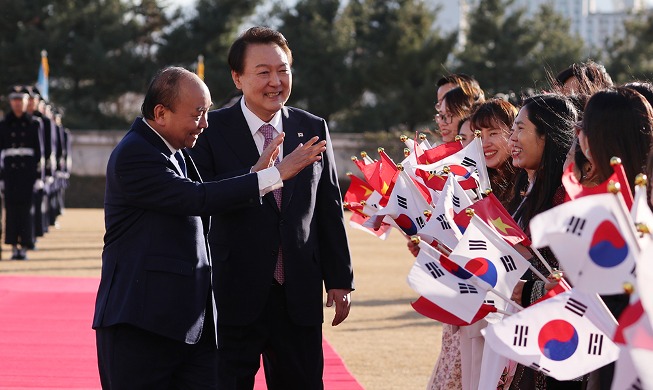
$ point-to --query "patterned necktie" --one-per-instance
(182, 163)
(268, 133)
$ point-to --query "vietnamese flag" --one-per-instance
(491, 211)
(575, 189)
(436, 182)
(380, 175)
(358, 192)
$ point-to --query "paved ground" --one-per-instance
(384, 343)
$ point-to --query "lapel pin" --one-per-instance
(300, 134)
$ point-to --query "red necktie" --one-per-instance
(269, 133)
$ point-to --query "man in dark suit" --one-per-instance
(155, 308)
(272, 261)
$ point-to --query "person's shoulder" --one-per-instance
(223, 113)
(290, 111)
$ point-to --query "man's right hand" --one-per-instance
(303, 156)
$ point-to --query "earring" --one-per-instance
(587, 153)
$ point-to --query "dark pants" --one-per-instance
(132, 358)
(292, 354)
(19, 222)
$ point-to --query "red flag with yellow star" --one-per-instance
(380, 175)
(357, 193)
(490, 210)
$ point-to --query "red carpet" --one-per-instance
(46, 340)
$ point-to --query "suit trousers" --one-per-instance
(292, 355)
(133, 358)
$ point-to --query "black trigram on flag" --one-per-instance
(456, 201)
(477, 245)
(596, 344)
(521, 336)
(402, 202)
(468, 162)
(444, 223)
(467, 288)
(576, 307)
(637, 385)
(420, 222)
(576, 225)
(508, 263)
(434, 270)
(489, 302)
(537, 367)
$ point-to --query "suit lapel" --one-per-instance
(238, 136)
(194, 175)
(293, 138)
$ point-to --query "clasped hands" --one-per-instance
(305, 154)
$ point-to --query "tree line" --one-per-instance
(364, 65)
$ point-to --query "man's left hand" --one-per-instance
(342, 298)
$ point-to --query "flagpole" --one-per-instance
(424, 246)
(200, 66)
(490, 235)
(624, 215)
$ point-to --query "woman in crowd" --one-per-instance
(494, 119)
(465, 131)
(582, 78)
(578, 82)
(456, 105)
(617, 123)
(542, 134)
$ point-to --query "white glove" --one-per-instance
(38, 185)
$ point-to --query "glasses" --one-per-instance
(446, 118)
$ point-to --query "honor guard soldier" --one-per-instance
(21, 158)
(37, 108)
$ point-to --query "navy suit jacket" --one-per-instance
(156, 268)
(309, 227)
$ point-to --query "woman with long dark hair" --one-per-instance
(617, 123)
(541, 137)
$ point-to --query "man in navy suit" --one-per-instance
(155, 308)
(273, 262)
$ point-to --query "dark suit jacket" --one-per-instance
(156, 270)
(309, 226)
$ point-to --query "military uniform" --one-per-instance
(21, 158)
(41, 193)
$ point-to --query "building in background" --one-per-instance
(596, 21)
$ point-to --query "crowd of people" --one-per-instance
(578, 125)
(34, 168)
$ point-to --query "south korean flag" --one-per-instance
(565, 336)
